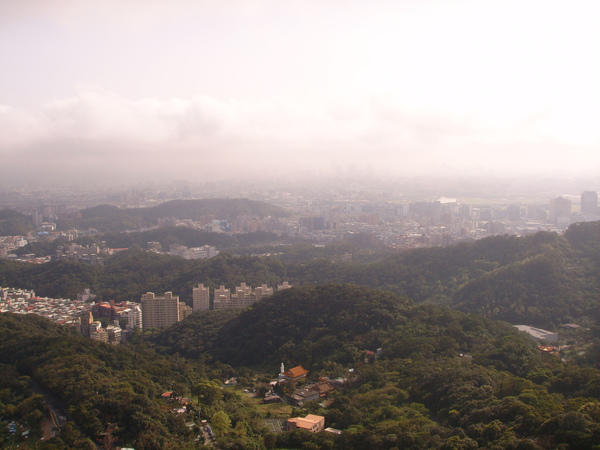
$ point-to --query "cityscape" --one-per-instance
(306, 225)
(361, 216)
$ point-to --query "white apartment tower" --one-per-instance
(134, 318)
(262, 291)
(201, 298)
(285, 285)
(222, 298)
(589, 202)
(159, 311)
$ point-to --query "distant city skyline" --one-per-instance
(106, 91)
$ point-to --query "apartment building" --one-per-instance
(159, 311)
(200, 298)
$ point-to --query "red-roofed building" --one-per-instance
(102, 309)
(293, 374)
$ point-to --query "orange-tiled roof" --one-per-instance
(295, 372)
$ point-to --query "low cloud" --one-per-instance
(106, 135)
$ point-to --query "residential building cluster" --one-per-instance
(308, 392)
(157, 311)
(402, 225)
(10, 243)
(363, 217)
(242, 296)
(153, 311)
(205, 223)
(48, 214)
(204, 252)
(83, 314)
(75, 252)
(60, 310)
(90, 322)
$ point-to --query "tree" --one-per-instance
(221, 423)
(208, 392)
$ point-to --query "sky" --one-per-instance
(107, 90)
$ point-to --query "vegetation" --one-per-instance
(13, 223)
(542, 280)
(432, 367)
(443, 379)
(104, 387)
(107, 218)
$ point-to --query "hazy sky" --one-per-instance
(107, 89)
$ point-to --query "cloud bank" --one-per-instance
(196, 89)
(107, 135)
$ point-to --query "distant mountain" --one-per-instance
(13, 223)
(103, 211)
(109, 218)
(220, 208)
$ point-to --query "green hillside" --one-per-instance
(543, 280)
(101, 386)
(107, 218)
(13, 223)
(442, 379)
(338, 324)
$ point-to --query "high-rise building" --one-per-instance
(97, 333)
(184, 311)
(114, 333)
(159, 311)
(285, 285)
(262, 291)
(312, 223)
(201, 298)
(465, 211)
(589, 202)
(86, 320)
(513, 212)
(560, 210)
(134, 318)
(535, 212)
(222, 298)
(243, 296)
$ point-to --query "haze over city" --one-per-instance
(112, 91)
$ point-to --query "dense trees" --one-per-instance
(544, 279)
(13, 223)
(442, 378)
(107, 218)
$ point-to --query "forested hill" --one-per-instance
(221, 208)
(13, 223)
(96, 383)
(542, 280)
(108, 218)
(336, 324)
(443, 379)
